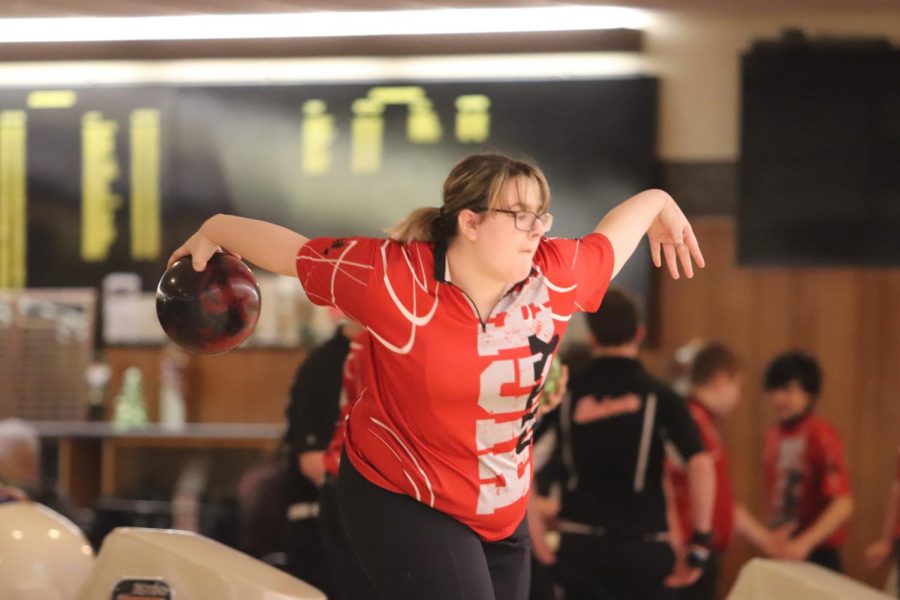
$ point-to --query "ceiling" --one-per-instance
(61, 8)
(573, 41)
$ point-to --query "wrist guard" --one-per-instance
(699, 549)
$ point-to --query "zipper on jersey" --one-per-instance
(472, 304)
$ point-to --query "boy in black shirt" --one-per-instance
(613, 431)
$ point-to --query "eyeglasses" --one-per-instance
(525, 220)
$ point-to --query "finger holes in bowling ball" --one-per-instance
(210, 311)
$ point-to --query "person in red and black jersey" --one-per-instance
(612, 436)
(311, 416)
(806, 478)
(889, 543)
(466, 305)
(350, 580)
(715, 380)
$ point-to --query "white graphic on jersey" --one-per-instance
(337, 266)
(413, 317)
(575, 254)
(498, 373)
(410, 454)
(640, 473)
(561, 290)
(519, 325)
(506, 387)
(336, 263)
(421, 282)
(790, 474)
(492, 496)
(399, 460)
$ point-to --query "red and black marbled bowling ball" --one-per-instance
(209, 311)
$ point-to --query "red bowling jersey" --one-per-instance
(449, 397)
(805, 470)
(723, 510)
(352, 375)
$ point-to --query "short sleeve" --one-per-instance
(585, 263)
(338, 271)
(835, 477)
(679, 426)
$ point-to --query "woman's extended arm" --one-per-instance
(269, 246)
(655, 213)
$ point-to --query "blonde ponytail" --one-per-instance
(417, 226)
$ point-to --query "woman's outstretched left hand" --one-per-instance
(671, 236)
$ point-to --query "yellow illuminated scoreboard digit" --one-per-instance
(422, 123)
(368, 133)
(423, 126)
(145, 201)
(316, 135)
(13, 218)
(99, 170)
(473, 118)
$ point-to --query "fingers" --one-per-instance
(199, 250)
(198, 261)
(694, 246)
(682, 577)
(687, 252)
(550, 405)
(785, 530)
(179, 253)
(671, 260)
(654, 253)
(685, 256)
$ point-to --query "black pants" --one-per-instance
(305, 560)
(598, 568)
(412, 552)
(350, 581)
(542, 581)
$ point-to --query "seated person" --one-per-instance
(20, 472)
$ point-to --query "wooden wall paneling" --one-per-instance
(250, 386)
(836, 340)
(849, 318)
(78, 472)
(244, 386)
(873, 454)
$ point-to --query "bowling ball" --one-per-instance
(209, 311)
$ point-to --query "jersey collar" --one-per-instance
(442, 269)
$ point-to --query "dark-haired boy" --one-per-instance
(612, 436)
(806, 478)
